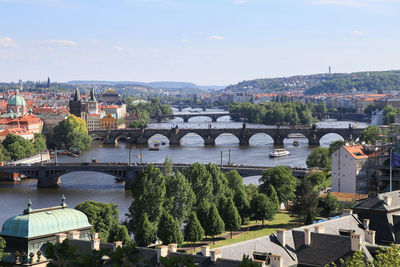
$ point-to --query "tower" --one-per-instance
(48, 82)
(330, 70)
(93, 105)
(75, 104)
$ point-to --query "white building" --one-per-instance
(93, 121)
(349, 173)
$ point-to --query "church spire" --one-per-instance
(77, 96)
(92, 95)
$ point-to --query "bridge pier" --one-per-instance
(209, 141)
(185, 119)
(278, 141)
(130, 178)
(214, 118)
(48, 182)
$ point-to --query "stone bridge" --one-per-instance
(48, 175)
(186, 116)
(174, 135)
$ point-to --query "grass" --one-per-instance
(252, 230)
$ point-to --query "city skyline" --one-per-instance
(208, 43)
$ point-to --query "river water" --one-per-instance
(84, 186)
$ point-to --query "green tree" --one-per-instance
(179, 198)
(219, 182)
(18, 147)
(215, 225)
(248, 262)
(169, 231)
(316, 178)
(240, 198)
(262, 208)
(39, 143)
(201, 181)
(328, 205)
(193, 230)
(105, 220)
(306, 201)
(202, 210)
(251, 191)
(2, 247)
(146, 233)
(71, 133)
(148, 196)
(320, 158)
(62, 254)
(177, 261)
(273, 197)
(283, 181)
(389, 256)
(167, 169)
(230, 216)
(335, 146)
(371, 134)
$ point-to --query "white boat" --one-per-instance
(280, 152)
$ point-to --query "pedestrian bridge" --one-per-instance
(48, 175)
(209, 135)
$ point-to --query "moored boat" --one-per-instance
(280, 152)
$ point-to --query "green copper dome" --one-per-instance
(16, 100)
(39, 222)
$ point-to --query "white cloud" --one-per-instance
(357, 33)
(58, 42)
(118, 48)
(183, 40)
(239, 2)
(216, 37)
(7, 42)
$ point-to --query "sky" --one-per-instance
(208, 42)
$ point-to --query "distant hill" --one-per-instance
(162, 84)
(324, 83)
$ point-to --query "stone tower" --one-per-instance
(93, 105)
(75, 104)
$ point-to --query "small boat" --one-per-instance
(163, 143)
(118, 180)
(296, 143)
(154, 148)
(279, 153)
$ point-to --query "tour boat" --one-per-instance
(279, 153)
(154, 148)
(296, 143)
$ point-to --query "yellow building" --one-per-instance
(108, 122)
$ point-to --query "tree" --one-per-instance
(105, 220)
(169, 231)
(262, 208)
(177, 261)
(230, 216)
(273, 197)
(167, 167)
(179, 198)
(193, 230)
(148, 196)
(219, 182)
(316, 178)
(146, 233)
(248, 262)
(201, 182)
(370, 134)
(251, 191)
(283, 181)
(240, 198)
(2, 247)
(319, 158)
(335, 146)
(389, 256)
(18, 147)
(62, 254)
(39, 143)
(202, 210)
(215, 225)
(306, 201)
(71, 133)
(328, 205)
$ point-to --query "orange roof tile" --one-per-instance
(356, 151)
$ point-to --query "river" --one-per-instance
(84, 186)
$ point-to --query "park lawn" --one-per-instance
(282, 220)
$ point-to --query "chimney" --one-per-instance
(172, 247)
(162, 251)
(366, 224)
(369, 236)
(261, 263)
(356, 241)
(73, 235)
(95, 236)
(95, 244)
(307, 237)
(276, 261)
(117, 244)
(281, 236)
(215, 254)
(347, 212)
(61, 237)
(320, 229)
(388, 200)
(205, 251)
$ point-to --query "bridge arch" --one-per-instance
(326, 139)
(158, 138)
(123, 137)
(192, 139)
(230, 139)
(220, 118)
(197, 118)
(261, 139)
